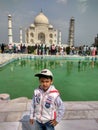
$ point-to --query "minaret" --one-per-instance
(21, 35)
(10, 36)
(71, 32)
(59, 38)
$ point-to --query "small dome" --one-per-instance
(72, 17)
(32, 25)
(50, 26)
(41, 19)
(9, 15)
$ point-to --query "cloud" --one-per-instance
(61, 1)
(82, 5)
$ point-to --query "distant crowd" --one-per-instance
(42, 49)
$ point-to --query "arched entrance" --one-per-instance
(41, 37)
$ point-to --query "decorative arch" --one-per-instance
(50, 41)
(41, 37)
(32, 41)
(32, 34)
(51, 35)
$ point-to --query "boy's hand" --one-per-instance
(31, 121)
(53, 122)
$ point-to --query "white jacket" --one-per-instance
(43, 106)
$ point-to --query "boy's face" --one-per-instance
(45, 83)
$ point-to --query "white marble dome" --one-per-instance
(50, 26)
(32, 25)
(41, 19)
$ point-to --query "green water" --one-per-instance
(75, 81)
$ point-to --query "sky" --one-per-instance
(58, 12)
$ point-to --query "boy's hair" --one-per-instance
(47, 77)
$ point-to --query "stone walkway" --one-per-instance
(14, 115)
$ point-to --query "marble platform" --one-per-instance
(14, 115)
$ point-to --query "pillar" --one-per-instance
(10, 36)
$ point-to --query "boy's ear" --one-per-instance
(52, 82)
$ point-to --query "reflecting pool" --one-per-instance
(76, 80)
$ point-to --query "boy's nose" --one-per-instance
(44, 83)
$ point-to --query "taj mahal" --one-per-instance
(41, 32)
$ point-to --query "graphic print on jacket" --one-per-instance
(48, 102)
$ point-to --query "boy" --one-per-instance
(47, 107)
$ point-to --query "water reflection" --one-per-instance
(23, 63)
(40, 64)
(82, 65)
(19, 75)
(12, 68)
(69, 66)
(85, 65)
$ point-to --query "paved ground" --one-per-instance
(14, 115)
